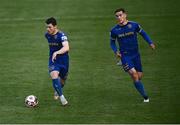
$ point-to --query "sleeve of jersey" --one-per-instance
(63, 38)
(113, 42)
(144, 35)
(45, 35)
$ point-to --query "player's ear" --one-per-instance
(55, 26)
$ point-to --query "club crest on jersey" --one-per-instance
(129, 26)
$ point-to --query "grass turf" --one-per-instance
(97, 89)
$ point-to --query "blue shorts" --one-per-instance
(130, 62)
(63, 70)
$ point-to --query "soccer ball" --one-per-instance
(31, 101)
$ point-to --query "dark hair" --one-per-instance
(52, 21)
(120, 9)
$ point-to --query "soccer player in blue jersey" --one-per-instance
(125, 32)
(58, 57)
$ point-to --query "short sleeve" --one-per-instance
(64, 37)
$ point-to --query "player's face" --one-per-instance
(51, 29)
(121, 17)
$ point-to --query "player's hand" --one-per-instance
(118, 55)
(152, 46)
(54, 56)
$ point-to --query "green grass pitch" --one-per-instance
(98, 91)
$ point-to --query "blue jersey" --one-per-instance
(55, 44)
(127, 38)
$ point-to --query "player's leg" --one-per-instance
(128, 65)
(62, 82)
(140, 75)
(56, 82)
(138, 84)
(56, 96)
(57, 86)
(63, 73)
(133, 73)
(138, 66)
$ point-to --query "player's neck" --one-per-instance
(55, 32)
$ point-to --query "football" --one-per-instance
(31, 101)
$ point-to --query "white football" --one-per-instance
(31, 101)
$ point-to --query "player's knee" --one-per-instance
(135, 76)
(140, 75)
(54, 75)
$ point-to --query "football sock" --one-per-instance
(57, 86)
(139, 86)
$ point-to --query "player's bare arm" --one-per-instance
(63, 50)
